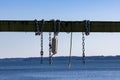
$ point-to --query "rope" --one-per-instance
(56, 30)
(69, 63)
(59, 23)
(55, 33)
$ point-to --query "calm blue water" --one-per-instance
(31, 69)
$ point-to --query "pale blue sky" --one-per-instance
(28, 45)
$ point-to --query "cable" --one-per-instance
(69, 63)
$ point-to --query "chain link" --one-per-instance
(83, 47)
(41, 52)
(50, 48)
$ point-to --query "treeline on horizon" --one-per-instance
(66, 58)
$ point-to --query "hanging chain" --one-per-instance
(41, 52)
(37, 28)
(42, 41)
(87, 27)
(83, 47)
(50, 48)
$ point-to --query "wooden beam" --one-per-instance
(77, 26)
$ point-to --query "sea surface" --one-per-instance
(95, 68)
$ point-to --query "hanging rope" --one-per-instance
(50, 48)
(58, 27)
(55, 40)
(54, 46)
(69, 63)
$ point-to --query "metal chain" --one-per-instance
(41, 52)
(50, 48)
(83, 47)
(43, 22)
(87, 27)
(37, 28)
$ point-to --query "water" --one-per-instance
(31, 69)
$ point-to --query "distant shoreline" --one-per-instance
(66, 57)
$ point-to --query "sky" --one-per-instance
(28, 45)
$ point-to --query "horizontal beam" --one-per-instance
(66, 26)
